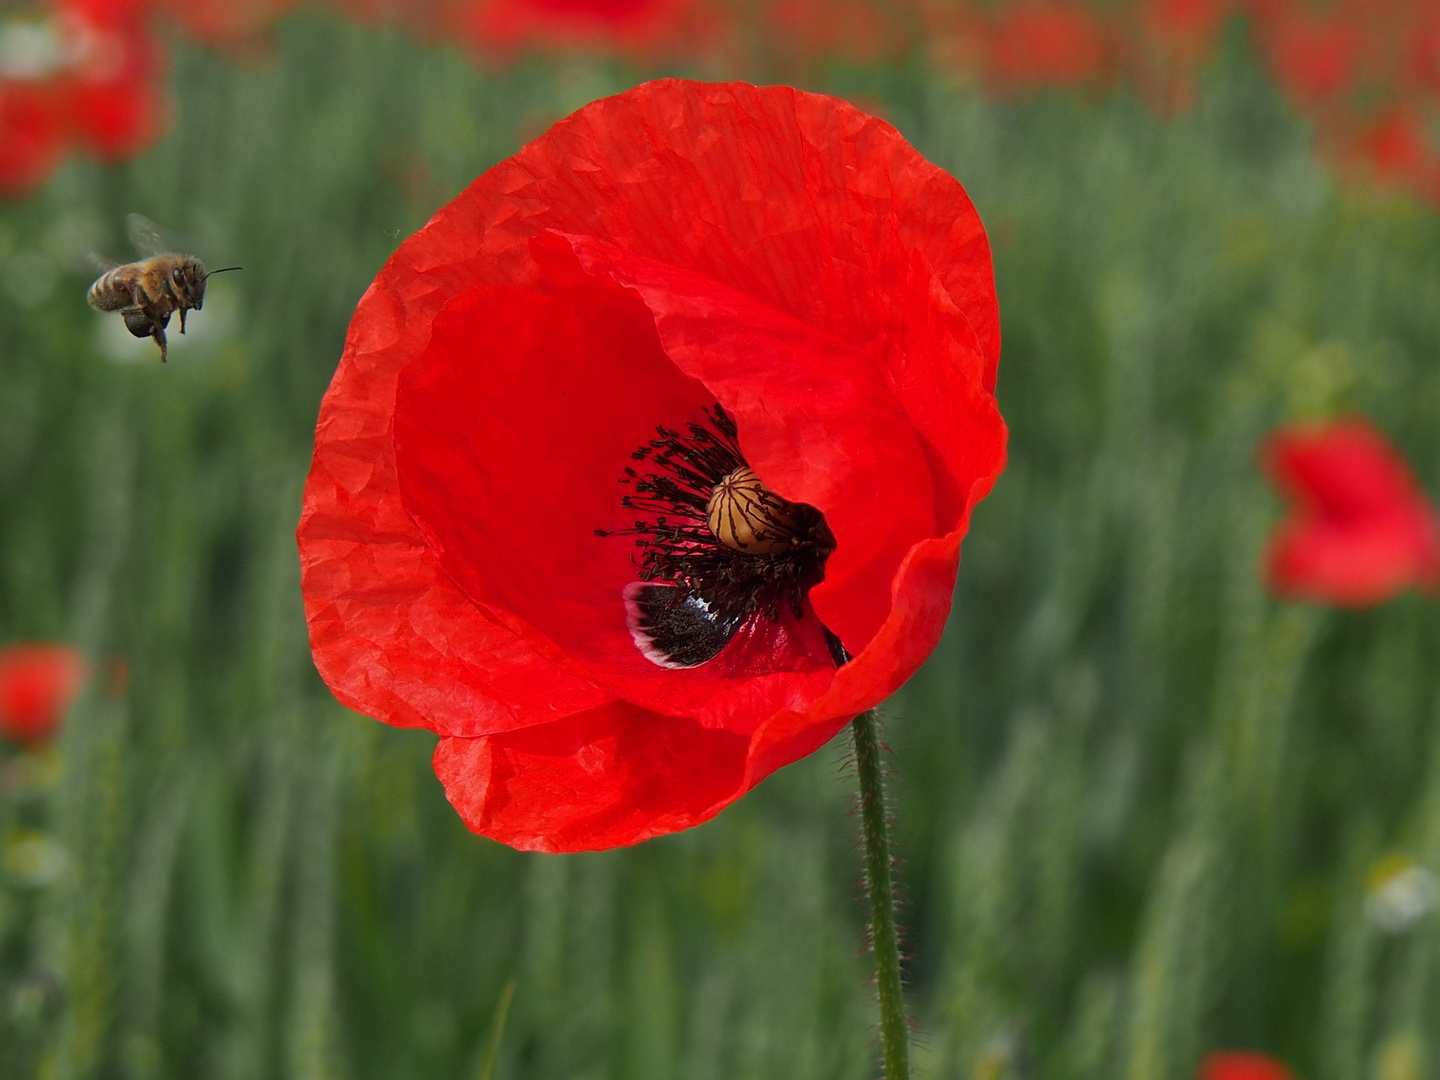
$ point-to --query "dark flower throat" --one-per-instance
(714, 546)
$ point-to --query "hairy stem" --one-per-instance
(894, 1027)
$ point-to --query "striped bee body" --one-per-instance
(148, 292)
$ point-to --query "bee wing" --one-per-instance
(148, 238)
(99, 263)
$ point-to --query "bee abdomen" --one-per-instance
(107, 294)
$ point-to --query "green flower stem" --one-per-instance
(894, 1027)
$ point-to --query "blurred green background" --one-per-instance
(1143, 810)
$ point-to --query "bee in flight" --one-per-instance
(149, 291)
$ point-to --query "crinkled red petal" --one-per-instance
(818, 423)
(621, 774)
(511, 435)
(390, 631)
(612, 776)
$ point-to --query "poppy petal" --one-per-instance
(817, 423)
(390, 631)
(612, 776)
(1362, 529)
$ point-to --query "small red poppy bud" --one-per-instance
(37, 684)
(747, 516)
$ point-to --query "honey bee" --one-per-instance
(147, 292)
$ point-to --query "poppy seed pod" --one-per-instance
(746, 516)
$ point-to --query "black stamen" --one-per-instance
(676, 546)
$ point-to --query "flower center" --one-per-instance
(746, 516)
(716, 547)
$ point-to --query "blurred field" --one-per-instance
(1144, 810)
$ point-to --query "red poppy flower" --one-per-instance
(1423, 59)
(108, 13)
(1362, 529)
(1186, 25)
(37, 684)
(859, 29)
(687, 287)
(422, 17)
(32, 135)
(1240, 1065)
(1394, 148)
(1047, 43)
(113, 91)
(628, 25)
(1174, 40)
(224, 22)
(1315, 58)
(116, 120)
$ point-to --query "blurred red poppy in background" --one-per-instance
(1242, 1065)
(1362, 529)
(1366, 73)
(32, 135)
(1048, 43)
(860, 30)
(634, 26)
(747, 298)
(1187, 25)
(113, 85)
(1393, 148)
(1315, 57)
(1422, 59)
(38, 682)
(224, 22)
(1171, 43)
(81, 73)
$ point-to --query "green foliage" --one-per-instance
(1140, 804)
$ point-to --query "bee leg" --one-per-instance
(137, 322)
(182, 320)
(159, 335)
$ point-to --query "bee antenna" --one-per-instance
(222, 270)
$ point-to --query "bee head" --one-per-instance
(187, 281)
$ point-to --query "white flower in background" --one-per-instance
(36, 49)
(1399, 893)
(30, 50)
